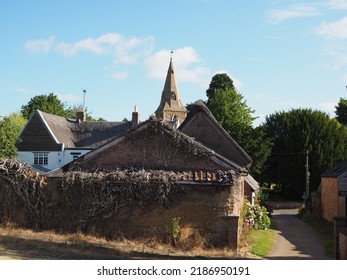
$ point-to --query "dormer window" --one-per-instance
(173, 96)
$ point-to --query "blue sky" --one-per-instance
(281, 54)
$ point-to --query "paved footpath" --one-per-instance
(295, 240)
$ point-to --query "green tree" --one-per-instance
(293, 133)
(232, 112)
(70, 112)
(10, 127)
(47, 103)
(341, 111)
(50, 103)
(219, 81)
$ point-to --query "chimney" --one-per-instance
(80, 115)
(135, 120)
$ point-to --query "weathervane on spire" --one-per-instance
(171, 54)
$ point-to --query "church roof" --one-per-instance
(170, 98)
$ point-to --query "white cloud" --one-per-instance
(337, 4)
(120, 75)
(333, 30)
(187, 64)
(40, 46)
(21, 90)
(70, 97)
(126, 50)
(328, 107)
(295, 11)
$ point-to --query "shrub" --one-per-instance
(256, 216)
(174, 231)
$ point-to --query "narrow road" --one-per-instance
(295, 240)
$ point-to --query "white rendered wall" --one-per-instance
(55, 159)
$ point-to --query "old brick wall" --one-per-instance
(201, 211)
(201, 208)
(330, 198)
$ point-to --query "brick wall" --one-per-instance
(211, 211)
(330, 198)
(203, 211)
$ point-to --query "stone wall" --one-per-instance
(202, 212)
(330, 198)
(209, 211)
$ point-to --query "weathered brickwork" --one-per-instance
(210, 211)
(330, 198)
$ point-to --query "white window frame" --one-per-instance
(40, 158)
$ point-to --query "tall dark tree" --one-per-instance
(219, 81)
(47, 103)
(232, 112)
(293, 133)
(341, 111)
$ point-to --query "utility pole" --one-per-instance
(307, 177)
(84, 99)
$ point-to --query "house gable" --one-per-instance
(37, 136)
(202, 126)
(157, 146)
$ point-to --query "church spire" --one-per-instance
(171, 107)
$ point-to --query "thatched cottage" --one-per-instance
(135, 178)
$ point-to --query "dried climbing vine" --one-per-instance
(79, 199)
(21, 187)
(99, 195)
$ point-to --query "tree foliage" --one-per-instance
(219, 82)
(50, 103)
(10, 127)
(293, 133)
(47, 103)
(232, 112)
(341, 111)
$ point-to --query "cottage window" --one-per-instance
(41, 158)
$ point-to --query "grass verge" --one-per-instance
(326, 231)
(261, 242)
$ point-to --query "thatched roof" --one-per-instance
(199, 121)
(173, 136)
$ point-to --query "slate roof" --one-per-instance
(336, 170)
(72, 133)
(252, 182)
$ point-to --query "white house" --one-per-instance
(48, 142)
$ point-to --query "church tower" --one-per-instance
(171, 107)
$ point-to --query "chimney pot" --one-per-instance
(135, 120)
(80, 116)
